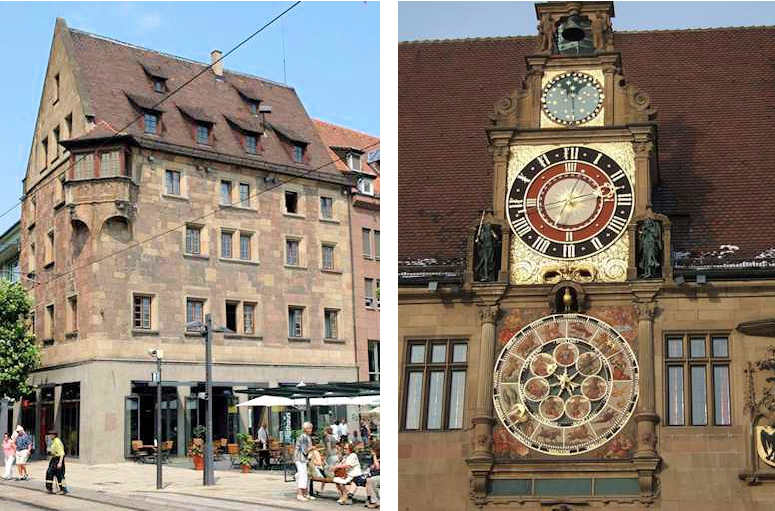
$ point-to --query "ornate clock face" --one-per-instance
(570, 203)
(565, 384)
(572, 98)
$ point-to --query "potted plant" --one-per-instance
(246, 458)
(196, 450)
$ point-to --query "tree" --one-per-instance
(18, 353)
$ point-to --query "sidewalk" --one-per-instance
(133, 485)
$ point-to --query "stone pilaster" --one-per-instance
(499, 149)
(483, 414)
(643, 150)
(646, 416)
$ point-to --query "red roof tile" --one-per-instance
(713, 92)
(340, 137)
(110, 68)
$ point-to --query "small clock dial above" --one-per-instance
(572, 98)
(570, 203)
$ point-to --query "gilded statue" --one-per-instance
(650, 250)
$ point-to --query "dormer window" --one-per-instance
(158, 85)
(366, 186)
(250, 144)
(298, 153)
(254, 107)
(202, 134)
(151, 121)
(354, 161)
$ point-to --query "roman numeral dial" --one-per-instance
(570, 203)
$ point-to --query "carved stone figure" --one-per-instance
(598, 32)
(545, 34)
(487, 245)
(650, 250)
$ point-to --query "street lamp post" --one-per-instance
(209, 474)
(158, 354)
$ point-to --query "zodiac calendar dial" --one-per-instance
(565, 384)
(570, 203)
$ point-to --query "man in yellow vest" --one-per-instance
(56, 466)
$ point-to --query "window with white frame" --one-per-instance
(366, 185)
(366, 241)
(354, 161)
(373, 360)
(295, 318)
(330, 317)
(368, 292)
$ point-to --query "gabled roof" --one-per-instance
(115, 77)
(341, 138)
(714, 100)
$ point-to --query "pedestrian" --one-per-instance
(344, 433)
(263, 453)
(9, 450)
(335, 430)
(372, 479)
(331, 453)
(301, 457)
(346, 471)
(23, 447)
(365, 433)
(56, 465)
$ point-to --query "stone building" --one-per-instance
(586, 268)
(139, 217)
(347, 150)
(9, 253)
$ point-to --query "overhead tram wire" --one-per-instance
(50, 178)
(215, 210)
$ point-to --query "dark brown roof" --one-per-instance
(113, 72)
(249, 124)
(715, 102)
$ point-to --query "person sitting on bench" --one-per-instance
(345, 472)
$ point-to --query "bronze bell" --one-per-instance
(572, 29)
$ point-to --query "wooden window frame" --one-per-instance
(426, 367)
(686, 361)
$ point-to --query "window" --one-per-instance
(32, 263)
(158, 85)
(32, 323)
(194, 311)
(225, 193)
(202, 134)
(377, 296)
(435, 380)
(110, 164)
(44, 152)
(244, 246)
(49, 326)
(697, 374)
(328, 257)
(326, 208)
(151, 122)
(231, 316)
(142, 312)
(50, 247)
(253, 107)
(84, 166)
(56, 143)
(298, 153)
(226, 251)
(373, 360)
(291, 202)
(292, 252)
(366, 235)
(244, 195)
(193, 239)
(250, 144)
(72, 312)
(294, 321)
(172, 180)
(69, 125)
(56, 89)
(368, 292)
(330, 317)
(249, 318)
(354, 161)
(376, 244)
(366, 185)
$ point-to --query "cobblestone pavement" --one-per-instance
(132, 485)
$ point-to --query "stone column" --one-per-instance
(642, 183)
(183, 393)
(499, 149)
(483, 413)
(646, 416)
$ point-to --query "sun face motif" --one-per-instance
(572, 98)
(570, 203)
(576, 388)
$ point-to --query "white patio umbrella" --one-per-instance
(272, 401)
(365, 400)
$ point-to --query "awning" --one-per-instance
(271, 401)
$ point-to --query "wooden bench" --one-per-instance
(327, 480)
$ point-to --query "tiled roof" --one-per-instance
(715, 106)
(345, 138)
(115, 72)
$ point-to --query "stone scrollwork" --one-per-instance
(506, 110)
(489, 313)
(646, 311)
(638, 101)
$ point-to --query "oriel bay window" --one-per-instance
(434, 384)
(697, 379)
(103, 163)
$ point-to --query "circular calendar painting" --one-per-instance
(565, 384)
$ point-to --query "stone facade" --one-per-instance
(113, 272)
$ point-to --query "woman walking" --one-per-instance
(301, 457)
(9, 450)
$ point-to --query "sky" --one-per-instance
(451, 20)
(331, 56)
